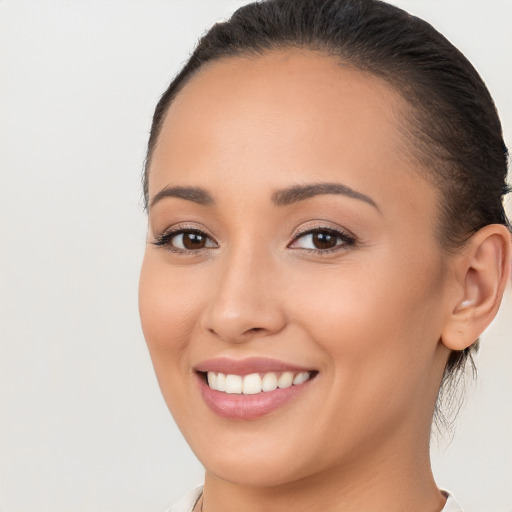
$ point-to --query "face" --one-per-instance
(292, 244)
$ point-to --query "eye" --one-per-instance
(185, 240)
(322, 240)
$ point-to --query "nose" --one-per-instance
(246, 299)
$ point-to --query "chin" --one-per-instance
(256, 459)
(255, 473)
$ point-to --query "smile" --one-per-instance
(255, 383)
(251, 388)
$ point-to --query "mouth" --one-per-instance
(251, 388)
(254, 383)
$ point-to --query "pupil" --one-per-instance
(324, 240)
(193, 241)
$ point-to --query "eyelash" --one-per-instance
(347, 240)
(165, 240)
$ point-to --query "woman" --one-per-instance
(327, 241)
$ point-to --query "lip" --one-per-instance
(247, 366)
(248, 407)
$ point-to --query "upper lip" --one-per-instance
(247, 366)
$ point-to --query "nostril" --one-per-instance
(254, 332)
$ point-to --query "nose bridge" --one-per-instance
(245, 302)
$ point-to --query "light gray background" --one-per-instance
(82, 423)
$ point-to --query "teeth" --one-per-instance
(251, 384)
(285, 381)
(269, 382)
(233, 384)
(212, 380)
(300, 378)
(221, 382)
(255, 382)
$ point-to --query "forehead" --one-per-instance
(281, 118)
(285, 91)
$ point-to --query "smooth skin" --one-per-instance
(376, 314)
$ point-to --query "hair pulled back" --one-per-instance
(453, 126)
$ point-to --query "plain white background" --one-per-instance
(82, 423)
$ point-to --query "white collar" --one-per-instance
(451, 505)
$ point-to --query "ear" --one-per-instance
(482, 274)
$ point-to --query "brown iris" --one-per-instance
(324, 240)
(193, 241)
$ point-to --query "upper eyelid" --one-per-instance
(183, 227)
(319, 227)
(180, 227)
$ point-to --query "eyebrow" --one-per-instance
(196, 194)
(302, 192)
(282, 197)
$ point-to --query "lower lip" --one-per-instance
(248, 407)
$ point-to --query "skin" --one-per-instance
(368, 316)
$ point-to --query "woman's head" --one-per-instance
(323, 181)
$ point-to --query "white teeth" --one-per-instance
(221, 382)
(300, 378)
(233, 384)
(254, 383)
(269, 382)
(251, 384)
(285, 381)
(212, 380)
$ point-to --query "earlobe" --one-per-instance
(483, 272)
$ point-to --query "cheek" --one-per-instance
(372, 313)
(379, 331)
(168, 305)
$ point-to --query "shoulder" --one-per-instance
(187, 501)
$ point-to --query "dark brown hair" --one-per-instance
(453, 126)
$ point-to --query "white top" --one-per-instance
(187, 502)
